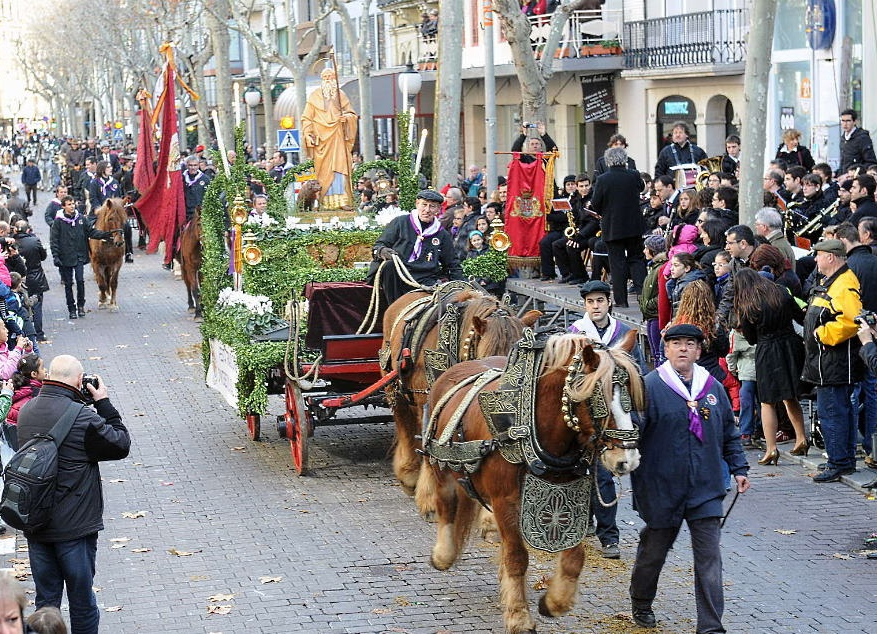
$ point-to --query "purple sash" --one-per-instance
(668, 375)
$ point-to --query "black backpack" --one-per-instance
(30, 478)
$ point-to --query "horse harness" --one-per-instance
(554, 516)
(417, 320)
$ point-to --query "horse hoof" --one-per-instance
(408, 490)
(429, 516)
(101, 306)
(543, 608)
(191, 309)
(437, 565)
(114, 309)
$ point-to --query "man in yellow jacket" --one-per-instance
(832, 362)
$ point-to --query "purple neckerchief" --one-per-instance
(422, 233)
(67, 219)
(672, 380)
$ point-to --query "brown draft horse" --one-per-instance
(491, 330)
(106, 257)
(189, 256)
(499, 482)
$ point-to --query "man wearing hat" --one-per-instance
(686, 434)
(423, 246)
(599, 326)
(832, 361)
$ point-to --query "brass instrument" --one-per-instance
(499, 240)
(709, 165)
(570, 231)
(817, 219)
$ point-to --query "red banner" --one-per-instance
(162, 205)
(526, 204)
(144, 168)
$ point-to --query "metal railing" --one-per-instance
(582, 33)
(710, 37)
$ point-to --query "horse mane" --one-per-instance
(112, 209)
(501, 328)
(558, 354)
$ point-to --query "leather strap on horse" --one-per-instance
(371, 315)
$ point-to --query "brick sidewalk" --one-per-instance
(350, 552)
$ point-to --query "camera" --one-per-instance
(866, 317)
(89, 379)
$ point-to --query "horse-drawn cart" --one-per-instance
(334, 370)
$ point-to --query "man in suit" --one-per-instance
(616, 199)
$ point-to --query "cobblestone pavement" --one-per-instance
(344, 549)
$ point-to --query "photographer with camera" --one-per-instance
(63, 552)
(541, 143)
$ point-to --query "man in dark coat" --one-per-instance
(55, 205)
(32, 250)
(616, 140)
(195, 184)
(686, 435)
(856, 147)
(680, 152)
(63, 553)
(69, 243)
(421, 243)
(616, 199)
(862, 194)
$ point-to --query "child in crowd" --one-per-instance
(26, 383)
(9, 358)
(47, 620)
(741, 363)
(18, 315)
(477, 246)
(722, 271)
(655, 252)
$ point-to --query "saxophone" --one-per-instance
(570, 231)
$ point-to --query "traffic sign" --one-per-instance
(118, 134)
(287, 140)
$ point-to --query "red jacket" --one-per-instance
(22, 395)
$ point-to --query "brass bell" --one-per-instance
(252, 254)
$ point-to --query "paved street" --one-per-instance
(343, 550)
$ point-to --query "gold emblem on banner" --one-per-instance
(527, 205)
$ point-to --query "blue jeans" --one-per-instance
(838, 420)
(607, 528)
(67, 275)
(55, 564)
(749, 407)
(867, 396)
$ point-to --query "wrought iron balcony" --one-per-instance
(587, 32)
(707, 38)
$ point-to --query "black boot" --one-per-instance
(643, 614)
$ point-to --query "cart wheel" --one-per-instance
(254, 426)
(297, 427)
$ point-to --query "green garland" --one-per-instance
(492, 266)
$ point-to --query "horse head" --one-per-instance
(490, 328)
(111, 216)
(601, 389)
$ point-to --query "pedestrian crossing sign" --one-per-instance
(118, 135)
(287, 141)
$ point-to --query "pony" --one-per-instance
(189, 256)
(568, 428)
(106, 257)
(486, 328)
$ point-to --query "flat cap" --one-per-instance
(835, 247)
(683, 331)
(594, 286)
(431, 195)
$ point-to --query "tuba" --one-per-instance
(709, 165)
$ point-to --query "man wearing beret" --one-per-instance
(832, 361)
(421, 243)
(687, 437)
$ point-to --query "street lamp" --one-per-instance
(252, 97)
(409, 82)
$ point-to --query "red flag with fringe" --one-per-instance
(162, 204)
(526, 204)
(144, 168)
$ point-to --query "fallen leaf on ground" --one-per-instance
(95, 358)
(117, 546)
(841, 556)
(218, 609)
(382, 611)
(134, 515)
(238, 448)
(198, 577)
(219, 598)
(141, 550)
(114, 608)
(541, 583)
(139, 414)
(182, 553)
(117, 480)
(120, 540)
(167, 484)
(270, 579)
(401, 601)
(784, 531)
(122, 345)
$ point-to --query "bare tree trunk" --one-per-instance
(218, 29)
(266, 81)
(448, 95)
(755, 83)
(534, 74)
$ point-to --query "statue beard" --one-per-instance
(329, 91)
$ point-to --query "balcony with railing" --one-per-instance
(587, 33)
(709, 38)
